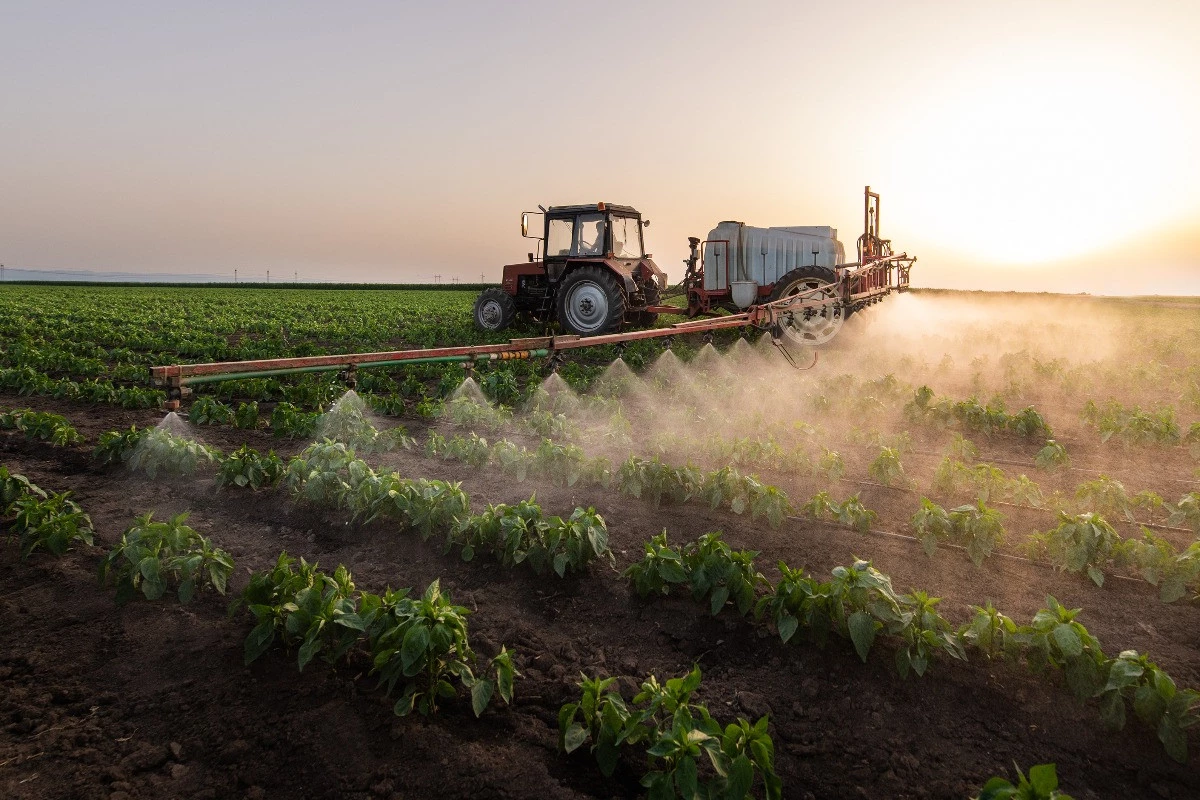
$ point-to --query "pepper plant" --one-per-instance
(423, 646)
(154, 556)
(52, 523)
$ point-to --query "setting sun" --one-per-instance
(1037, 156)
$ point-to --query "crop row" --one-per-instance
(858, 604)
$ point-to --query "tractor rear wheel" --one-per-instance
(590, 302)
(823, 324)
(494, 310)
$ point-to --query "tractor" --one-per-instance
(595, 276)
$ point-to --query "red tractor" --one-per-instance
(594, 275)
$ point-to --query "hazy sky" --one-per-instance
(1043, 145)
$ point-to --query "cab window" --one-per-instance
(589, 235)
(627, 237)
(559, 241)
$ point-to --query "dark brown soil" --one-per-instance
(152, 700)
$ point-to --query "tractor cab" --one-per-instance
(593, 231)
(590, 273)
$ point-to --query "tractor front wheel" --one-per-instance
(590, 302)
(494, 310)
(819, 327)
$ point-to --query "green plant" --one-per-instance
(52, 522)
(1079, 543)
(41, 425)
(679, 735)
(1175, 574)
(1105, 496)
(1187, 512)
(1029, 424)
(116, 447)
(830, 465)
(423, 645)
(466, 413)
(721, 574)
(767, 501)
(1024, 492)
(14, 487)
(287, 421)
(923, 633)
(500, 386)
(961, 448)
(1057, 640)
(151, 556)
(853, 513)
(246, 416)
(1155, 699)
(1042, 784)
(1052, 457)
(209, 411)
(519, 534)
(992, 633)
(161, 451)
(657, 480)
(565, 465)
(245, 468)
(304, 607)
(978, 528)
(661, 568)
(471, 450)
(887, 469)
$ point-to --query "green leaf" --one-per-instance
(1173, 738)
(413, 649)
(1096, 575)
(187, 590)
(719, 597)
(574, 737)
(1067, 640)
(309, 649)
(259, 640)
(481, 695)
(1043, 779)
(862, 632)
(787, 625)
(741, 775)
(685, 777)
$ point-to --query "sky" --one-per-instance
(1021, 145)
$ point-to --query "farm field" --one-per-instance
(990, 450)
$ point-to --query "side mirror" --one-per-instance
(525, 224)
(645, 223)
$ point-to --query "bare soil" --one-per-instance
(152, 700)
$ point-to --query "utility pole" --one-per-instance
(296, 277)
(268, 276)
(235, 274)
(1, 273)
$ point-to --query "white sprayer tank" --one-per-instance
(737, 252)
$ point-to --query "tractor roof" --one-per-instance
(593, 207)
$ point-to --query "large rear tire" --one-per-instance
(822, 325)
(590, 302)
(494, 310)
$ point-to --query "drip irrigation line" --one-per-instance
(1154, 525)
(1012, 463)
(951, 546)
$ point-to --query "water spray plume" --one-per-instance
(470, 390)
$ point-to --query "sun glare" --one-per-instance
(1034, 161)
